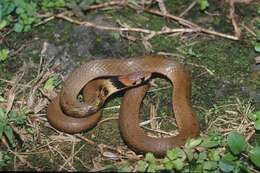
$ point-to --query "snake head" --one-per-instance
(135, 78)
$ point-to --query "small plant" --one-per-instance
(255, 117)
(204, 4)
(20, 12)
(148, 164)
(206, 154)
(21, 15)
(51, 83)
(5, 158)
(48, 4)
(18, 118)
(4, 54)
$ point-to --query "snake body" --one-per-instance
(61, 117)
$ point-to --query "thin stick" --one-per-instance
(187, 23)
(106, 4)
(188, 9)
(159, 131)
(107, 119)
(85, 139)
(147, 31)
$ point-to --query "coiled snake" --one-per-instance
(101, 78)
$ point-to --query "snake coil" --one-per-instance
(87, 78)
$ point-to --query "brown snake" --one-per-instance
(67, 114)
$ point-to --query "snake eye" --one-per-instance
(102, 92)
(105, 91)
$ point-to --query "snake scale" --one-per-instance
(69, 115)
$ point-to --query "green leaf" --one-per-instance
(208, 143)
(176, 153)
(178, 164)
(18, 27)
(3, 24)
(124, 167)
(9, 134)
(189, 153)
(193, 143)
(167, 163)
(18, 117)
(203, 4)
(229, 156)
(152, 167)
(258, 35)
(226, 165)
(19, 10)
(3, 122)
(51, 83)
(2, 114)
(214, 154)
(115, 35)
(197, 169)
(2, 99)
(142, 166)
(254, 156)
(171, 155)
(210, 165)
(252, 116)
(202, 157)
(257, 47)
(2, 127)
(149, 157)
(257, 124)
(4, 54)
(236, 142)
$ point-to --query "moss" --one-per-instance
(164, 44)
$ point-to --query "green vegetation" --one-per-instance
(207, 154)
(16, 117)
(4, 54)
(23, 14)
(203, 4)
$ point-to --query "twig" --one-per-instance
(187, 23)
(71, 158)
(232, 17)
(85, 139)
(159, 89)
(62, 156)
(158, 13)
(146, 31)
(189, 8)
(152, 115)
(112, 107)
(106, 4)
(249, 30)
(204, 67)
(159, 131)
(107, 119)
(162, 6)
(12, 82)
(17, 51)
(12, 91)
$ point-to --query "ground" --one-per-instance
(220, 69)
